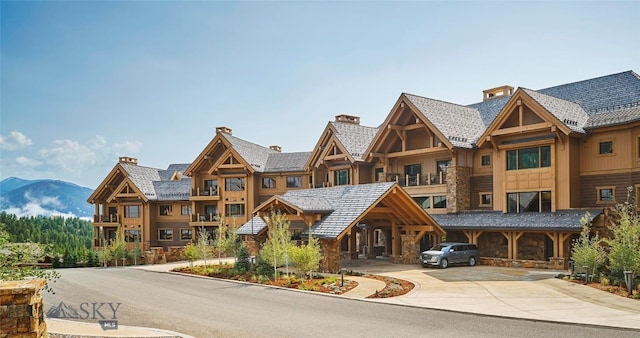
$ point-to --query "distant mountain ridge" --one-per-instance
(44, 197)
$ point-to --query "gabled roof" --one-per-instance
(286, 162)
(354, 137)
(569, 113)
(255, 155)
(460, 125)
(340, 207)
(561, 220)
(142, 178)
(614, 118)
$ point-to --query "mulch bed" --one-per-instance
(394, 287)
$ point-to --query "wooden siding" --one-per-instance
(588, 192)
(480, 184)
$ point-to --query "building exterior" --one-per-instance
(513, 173)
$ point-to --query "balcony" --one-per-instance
(106, 219)
(204, 218)
(417, 180)
(205, 192)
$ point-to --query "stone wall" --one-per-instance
(458, 189)
(493, 244)
(21, 310)
(175, 253)
(553, 263)
(330, 256)
(253, 247)
(155, 256)
(531, 247)
(410, 251)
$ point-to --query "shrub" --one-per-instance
(242, 262)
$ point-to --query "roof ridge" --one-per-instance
(443, 101)
(590, 79)
(352, 124)
(252, 143)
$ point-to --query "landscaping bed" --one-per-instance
(325, 284)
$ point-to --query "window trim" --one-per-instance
(599, 196)
(482, 158)
(482, 193)
(182, 210)
(191, 237)
(168, 208)
(272, 180)
(126, 213)
(606, 140)
(165, 229)
(227, 207)
(242, 183)
(299, 181)
(130, 230)
(540, 201)
(517, 157)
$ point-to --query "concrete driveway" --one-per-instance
(507, 292)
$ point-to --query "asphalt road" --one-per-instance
(213, 308)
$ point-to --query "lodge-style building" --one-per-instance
(513, 173)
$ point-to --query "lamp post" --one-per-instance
(628, 279)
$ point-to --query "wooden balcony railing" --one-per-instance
(211, 191)
(417, 180)
(112, 218)
(204, 218)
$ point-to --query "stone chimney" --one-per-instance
(128, 160)
(496, 92)
(223, 130)
(348, 119)
(276, 148)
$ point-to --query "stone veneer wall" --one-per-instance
(553, 263)
(531, 247)
(410, 250)
(175, 253)
(458, 189)
(253, 247)
(330, 256)
(21, 310)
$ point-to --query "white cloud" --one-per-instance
(15, 140)
(39, 206)
(128, 147)
(68, 155)
(28, 162)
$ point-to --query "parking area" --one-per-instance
(506, 292)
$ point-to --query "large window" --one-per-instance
(165, 210)
(211, 187)
(132, 211)
(234, 184)
(234, 210)
(341, 177)
(423, 201)
(439, 202)
(528, 158)
(132, 236)
(268, 183)
(529, 201)
(165, 234)
(294, 182)
(185, 210)
(441, 167)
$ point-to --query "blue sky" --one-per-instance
(85, 82)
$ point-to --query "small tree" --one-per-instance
(588, 250)
(202, 244)
(136, 252)
(624, 246)
(242, 260)
(192, 253)
(118, 249)
(104, 255)
(229, 241)
(276, 248)
(307, 258)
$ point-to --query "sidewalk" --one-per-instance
(67, 328)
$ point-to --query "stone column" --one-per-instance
(330, 256)
(458, 189)
(21, 310)
(410, 249)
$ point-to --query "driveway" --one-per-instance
(506, 292)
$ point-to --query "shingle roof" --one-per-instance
(354, 137)
(281, 162)
(156, 184)
(569, 113)
(565, 220)
(613, 118)
(490, 109)
(610, 92)
(317, 204)
(461, 125)
(344, 203)
(255, 155)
